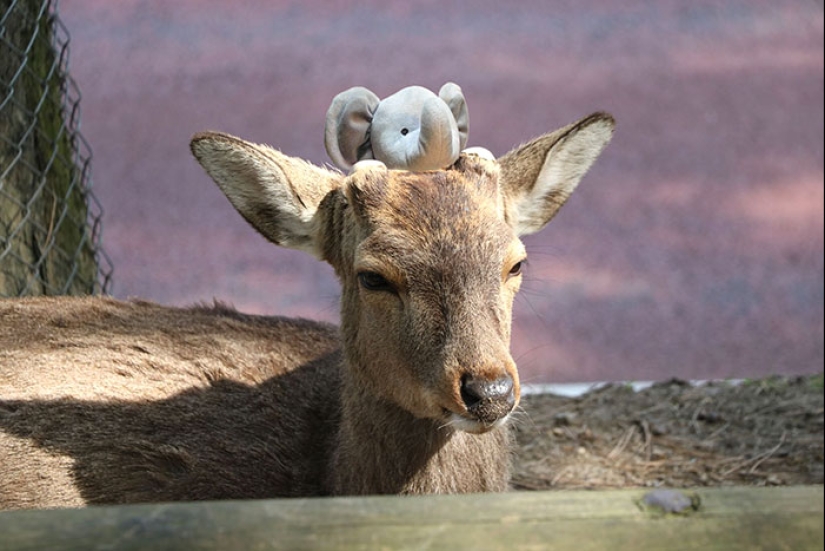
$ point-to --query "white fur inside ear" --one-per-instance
(482, 152)
(368, 164)
(563, 168)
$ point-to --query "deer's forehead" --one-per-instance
(438, 229)
(443, 207)
(470, 194)
(418, 219)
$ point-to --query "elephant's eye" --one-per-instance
(405, 131)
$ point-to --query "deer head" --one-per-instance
(429, 262)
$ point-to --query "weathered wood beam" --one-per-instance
(718, 518)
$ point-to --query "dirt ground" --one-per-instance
(674, 434)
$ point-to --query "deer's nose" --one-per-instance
(488, 400)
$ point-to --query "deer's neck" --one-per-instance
(383, 449)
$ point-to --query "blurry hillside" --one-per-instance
(694, 248)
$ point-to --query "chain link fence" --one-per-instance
(50, 221)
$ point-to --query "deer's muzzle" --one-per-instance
(488, 401)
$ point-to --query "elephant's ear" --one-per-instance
(346, 135)
(453, 96)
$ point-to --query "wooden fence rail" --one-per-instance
(714, 518)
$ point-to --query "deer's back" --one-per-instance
(104, 401)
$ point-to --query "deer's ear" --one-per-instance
(538, 177)
(277, 194)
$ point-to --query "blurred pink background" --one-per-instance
(693, 249)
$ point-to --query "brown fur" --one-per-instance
(103, 401)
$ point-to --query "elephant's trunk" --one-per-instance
(438, 141)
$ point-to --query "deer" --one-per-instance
(106, 401)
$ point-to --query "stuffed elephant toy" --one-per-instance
(412, 129)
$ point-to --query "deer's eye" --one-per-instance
(516, 269)
(373, 281)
